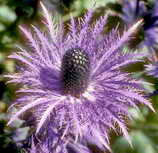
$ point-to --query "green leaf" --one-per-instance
(7, 15)
(141, 144)
(95, 4)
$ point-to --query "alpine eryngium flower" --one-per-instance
(134, 10)
(73, 80)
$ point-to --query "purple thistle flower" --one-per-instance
(136, 9)
(74, 80)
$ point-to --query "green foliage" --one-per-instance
(141, 144)
(144, 130)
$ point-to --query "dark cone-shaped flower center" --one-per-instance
(75, 71)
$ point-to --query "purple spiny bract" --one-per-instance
(152, 69)
(74, 80)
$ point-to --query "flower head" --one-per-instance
(136, 9)
(74, 81)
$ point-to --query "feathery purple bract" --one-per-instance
(136, 9)
(74, 80)
(152, 69)
(49, 141)
(42, 147)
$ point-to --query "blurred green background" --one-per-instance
(144, 127)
